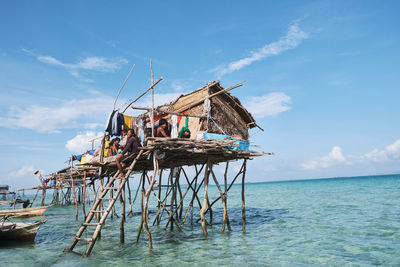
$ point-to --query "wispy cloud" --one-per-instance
(390, 152)
(23, 171)
(268, 105)
(334, 157)
(80, 143)
(68, 114)
(291, 40)
(89, 113)
(96, 63)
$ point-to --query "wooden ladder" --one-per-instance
(94, 210)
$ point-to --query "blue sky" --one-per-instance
(322, 77)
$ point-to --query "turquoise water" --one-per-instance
(332, 222)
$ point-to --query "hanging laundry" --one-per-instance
(109, 122)
(174, 127)
(128, 122)
(117, 122)
(184, 129)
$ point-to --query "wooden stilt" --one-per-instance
(243, 202)
(37, 192)
(122, 220)
(142, 207)
(145, 214)
(75, 199)
(223, 197)
(203, 208)
(84, 195)
(129, 198)
(43, 197)
(226, 217)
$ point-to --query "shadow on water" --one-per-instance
(16, 244)
(254, 216)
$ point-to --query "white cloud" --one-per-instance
(333, 157)
(95, 63)
(90, 63)
(68, 114)
(390, 152)
(23, 171)
(291, 40)
(80, 143)
(268, 105)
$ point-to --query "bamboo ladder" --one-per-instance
(94, 210)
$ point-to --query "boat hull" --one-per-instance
(28, 212)
(24, 232)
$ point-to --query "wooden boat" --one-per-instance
(28, 212)
(6, 202)
(17, 231)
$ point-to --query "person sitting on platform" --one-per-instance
(129, 153)
(114, 146)
(162, 129)
(106, 145)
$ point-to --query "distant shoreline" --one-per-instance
(328, 178)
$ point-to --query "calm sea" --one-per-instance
(331, 222)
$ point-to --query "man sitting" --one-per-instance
(129, 153)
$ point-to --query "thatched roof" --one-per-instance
(188, 101)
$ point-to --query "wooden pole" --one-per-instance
(142, 208)
(223, 200)
(145, 92)
(43, 197)
(152, 98)
(129, 198)
(84, 195)
(75, 198)
(126, 79)
(37, 192)
(226, 195)
(243, 202)
(121, 224)
(145, 214)
(159, 196)
(203, 208)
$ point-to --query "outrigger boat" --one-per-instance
(28, 212)
(17, 231)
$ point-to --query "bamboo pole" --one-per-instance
(145, 92)
(126, 79)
